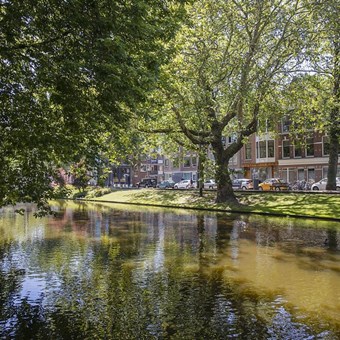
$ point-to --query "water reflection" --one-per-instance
(95, 271)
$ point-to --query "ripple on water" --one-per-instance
(163, 276)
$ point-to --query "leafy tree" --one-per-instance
(231, 59)
(305, 101)
(327, 62)
(312, 97)
(81, 175)
(70, 74)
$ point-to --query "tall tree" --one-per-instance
(328, 64)
(70, 72)
(313, 97)
(231, 58)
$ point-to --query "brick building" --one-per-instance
(280, 155)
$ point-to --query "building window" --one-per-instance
(232, 139)
(301, 174)
(286, 122)
(297, 151)
(285, 149)
(325, 146)
(311, 174)
(194, 161)
(292, 175)
(271, 148)
(310, 147)
(166, 162)
(248, 151)
(265, 148)
(324, 172)
(284, 175)
(186, 162)
(261, 149)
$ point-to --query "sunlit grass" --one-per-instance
(314, 205)
(286, 204)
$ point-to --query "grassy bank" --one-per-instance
(285, 204)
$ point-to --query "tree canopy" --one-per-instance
(327, 62)
(74, 73)
(70, 73)
(232, 58)
(312, 97)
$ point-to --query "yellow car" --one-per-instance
(276, 184)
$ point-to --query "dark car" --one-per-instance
(147, 183)
(166, 185)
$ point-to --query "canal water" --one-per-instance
(97, 271)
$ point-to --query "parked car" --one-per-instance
(184, 184)
(237, 183)
(166, 184)
(210, 184)
(247, 184)
(321, 185)
(147, 183)
(277, 184)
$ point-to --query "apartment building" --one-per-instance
(181, 167)
(306, 160)
(161, 167)
(280, 155)
(150, 167)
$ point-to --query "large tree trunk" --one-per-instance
(334, 130)
(333, 158)
(201, 166)
(225, 192)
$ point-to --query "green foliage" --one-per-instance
(88, 192)
(71, 73)
(98, 192)
(62, 191)
(79, 194)
(315, 98)
(307, 102)
(232, 59)
(81, 175)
